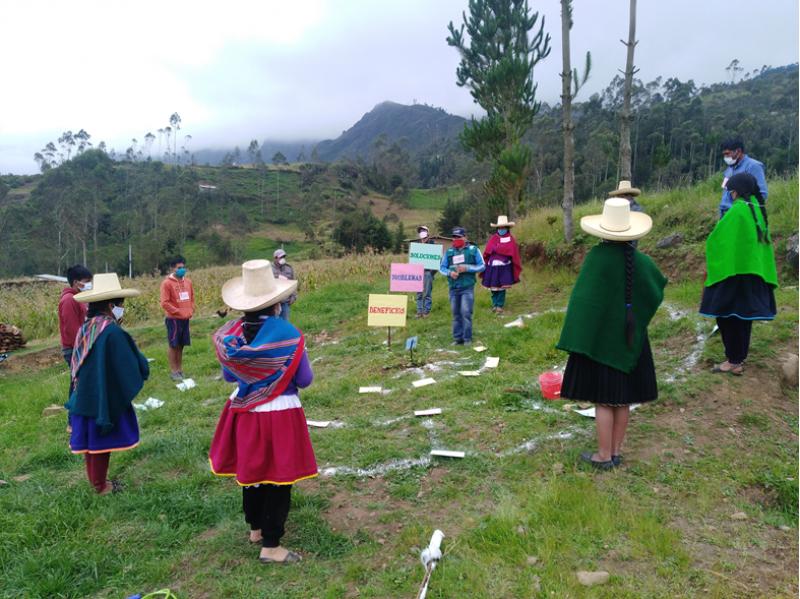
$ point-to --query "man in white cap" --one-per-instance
(424, 299)
(282, 270)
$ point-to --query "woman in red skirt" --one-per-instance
(262, 437)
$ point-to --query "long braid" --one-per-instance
(630, 320)
(759, 232)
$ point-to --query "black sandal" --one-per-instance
(587, 457)
(291, 558)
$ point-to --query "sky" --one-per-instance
(278, 70)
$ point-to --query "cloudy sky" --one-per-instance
(309, 69)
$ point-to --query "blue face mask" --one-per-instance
(180, 272)
(502, 232)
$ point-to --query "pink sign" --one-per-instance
(406, 277)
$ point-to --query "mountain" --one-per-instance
(419, 125)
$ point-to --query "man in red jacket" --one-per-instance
(71, 314)
(177, 301)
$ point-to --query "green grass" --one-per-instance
(178, 526)
(433, 199)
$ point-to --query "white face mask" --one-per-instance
(85, 286)
(282, 261)
(423, 234)
(729, 160)
(118, 311)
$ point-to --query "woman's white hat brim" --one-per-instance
(86, 297)
(235, 298)
(640, 225)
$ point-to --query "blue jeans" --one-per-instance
(499, 298)
(462, 300)
(286, 309)
(424, 300)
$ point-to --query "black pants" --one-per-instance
(735, 337)
(266, 508)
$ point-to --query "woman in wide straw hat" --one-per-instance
(262, 437)
(107, 372)
(503, 263)
(605, 330)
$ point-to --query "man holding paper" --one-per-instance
(461, 262)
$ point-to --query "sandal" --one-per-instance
(587, 457)
(291, 558)
(617, 459)
(734, 369)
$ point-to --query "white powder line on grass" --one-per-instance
(542, 313)
(391, 421)
(532, 444)
(378, 470)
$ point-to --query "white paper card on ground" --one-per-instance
(469, 372)
(505, 239)
(423, 382)
(479, 348)
(151, 359)
(459, 259)
(518, 323)
(186, 385)
(491, 362)
(151, 404)
(318, 423)
(370, 389)
(446, 453)
(590, 412)
(429, 412)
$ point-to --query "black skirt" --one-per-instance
(587, 380)
(747, 297)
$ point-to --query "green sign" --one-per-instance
(427, 254)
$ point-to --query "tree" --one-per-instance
(255, 152)
(625, 117)
(497, 67)
(278, 158)
(570, 85)
(734, 69)
(301, 155)
(361, 230)
(399, 238)
(175, 122)
(451, 217)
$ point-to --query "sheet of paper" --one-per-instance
(430, 412)
(491, 362)
(479, 348)
(469, 372)
(459, 259)
(151, 359)
(423, 382)
(318, 423)
(186, 385)
(370, 389)
(518, 323)
(445, 453)
(505, 239)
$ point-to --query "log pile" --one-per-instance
(10, 338)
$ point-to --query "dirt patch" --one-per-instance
(32, 360)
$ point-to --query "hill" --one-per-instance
(416, 127)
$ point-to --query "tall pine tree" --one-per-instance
(497, 60)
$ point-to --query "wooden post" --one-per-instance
(388, 336)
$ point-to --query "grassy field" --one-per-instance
(521, 516)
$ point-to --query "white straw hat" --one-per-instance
(502, 221)
(257, 288)
(105, 286)
(624, 189)
(617, 223)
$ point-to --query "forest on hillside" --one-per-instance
(90, 206)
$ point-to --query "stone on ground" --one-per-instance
(589, 579)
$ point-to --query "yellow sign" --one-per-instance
(387, 310)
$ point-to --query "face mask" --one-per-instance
(282, 261)
(180, 272)
(85, 286)
(502, 232)
(118, 311)
(458, 243)
(729, 160)
(423, 234)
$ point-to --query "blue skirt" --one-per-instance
(87, 438)
(498, 277)
(747, 297)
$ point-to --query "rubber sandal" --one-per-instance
(737, 370)
(290, 558)
(617, 459)
(587, 457)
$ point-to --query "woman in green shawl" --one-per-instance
(740, 271)
(605, 331)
